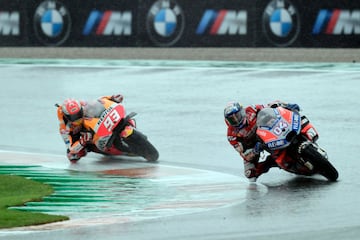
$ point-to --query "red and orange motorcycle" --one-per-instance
(115, 133)
(291, 138)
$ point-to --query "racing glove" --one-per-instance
(76, 151)
(117, 98)
(252, 154)
(74, 157)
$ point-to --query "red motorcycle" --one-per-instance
(290, 138)
(115, 133)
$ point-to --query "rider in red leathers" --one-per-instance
(70, 115)
(241, 134)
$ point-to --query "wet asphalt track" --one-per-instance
(179, 106)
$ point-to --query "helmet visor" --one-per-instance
(237, 119)
(75, 117)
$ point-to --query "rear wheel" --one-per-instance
(138, 144)
(321, 164)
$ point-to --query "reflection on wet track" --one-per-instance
(140, 192)
(85, 194)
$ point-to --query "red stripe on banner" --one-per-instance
(333, 20)
(218, 22)
(103, 23)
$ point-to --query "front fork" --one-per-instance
(310, 135)
(129, 129)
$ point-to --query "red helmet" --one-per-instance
(72, 109)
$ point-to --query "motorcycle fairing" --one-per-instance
(103, 125)
(310, 132)
(297, 153)
(285, 161)
(109, 119)
(275, 126)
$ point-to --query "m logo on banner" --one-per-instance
(9, 23)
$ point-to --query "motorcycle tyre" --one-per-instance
(323, 166)
(141, 146)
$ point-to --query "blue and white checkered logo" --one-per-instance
(52, 23)
(281, 22)
(165, 22)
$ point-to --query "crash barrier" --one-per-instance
(180, 23)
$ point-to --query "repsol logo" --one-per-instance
(103, 115)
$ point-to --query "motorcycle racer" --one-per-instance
(241, 134)
(70, 115)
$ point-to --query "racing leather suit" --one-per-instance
(73, 132)
(244, 141)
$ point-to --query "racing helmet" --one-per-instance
(72, 109)
(235, 115)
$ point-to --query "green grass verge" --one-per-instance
(15, 191)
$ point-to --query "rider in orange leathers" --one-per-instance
(241, 134)
(70, 115)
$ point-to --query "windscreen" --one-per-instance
(266, 118)
(93, 109)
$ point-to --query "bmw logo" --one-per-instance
(52, 23)
(165, 22)
(281, 22)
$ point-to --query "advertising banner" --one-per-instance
(316, 23)
(333, 23)
(211, 23)
(82, 23)
(12, 25)
(180, 23)
(107, 23)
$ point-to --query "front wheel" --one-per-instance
(139, 145)
(321, 164)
